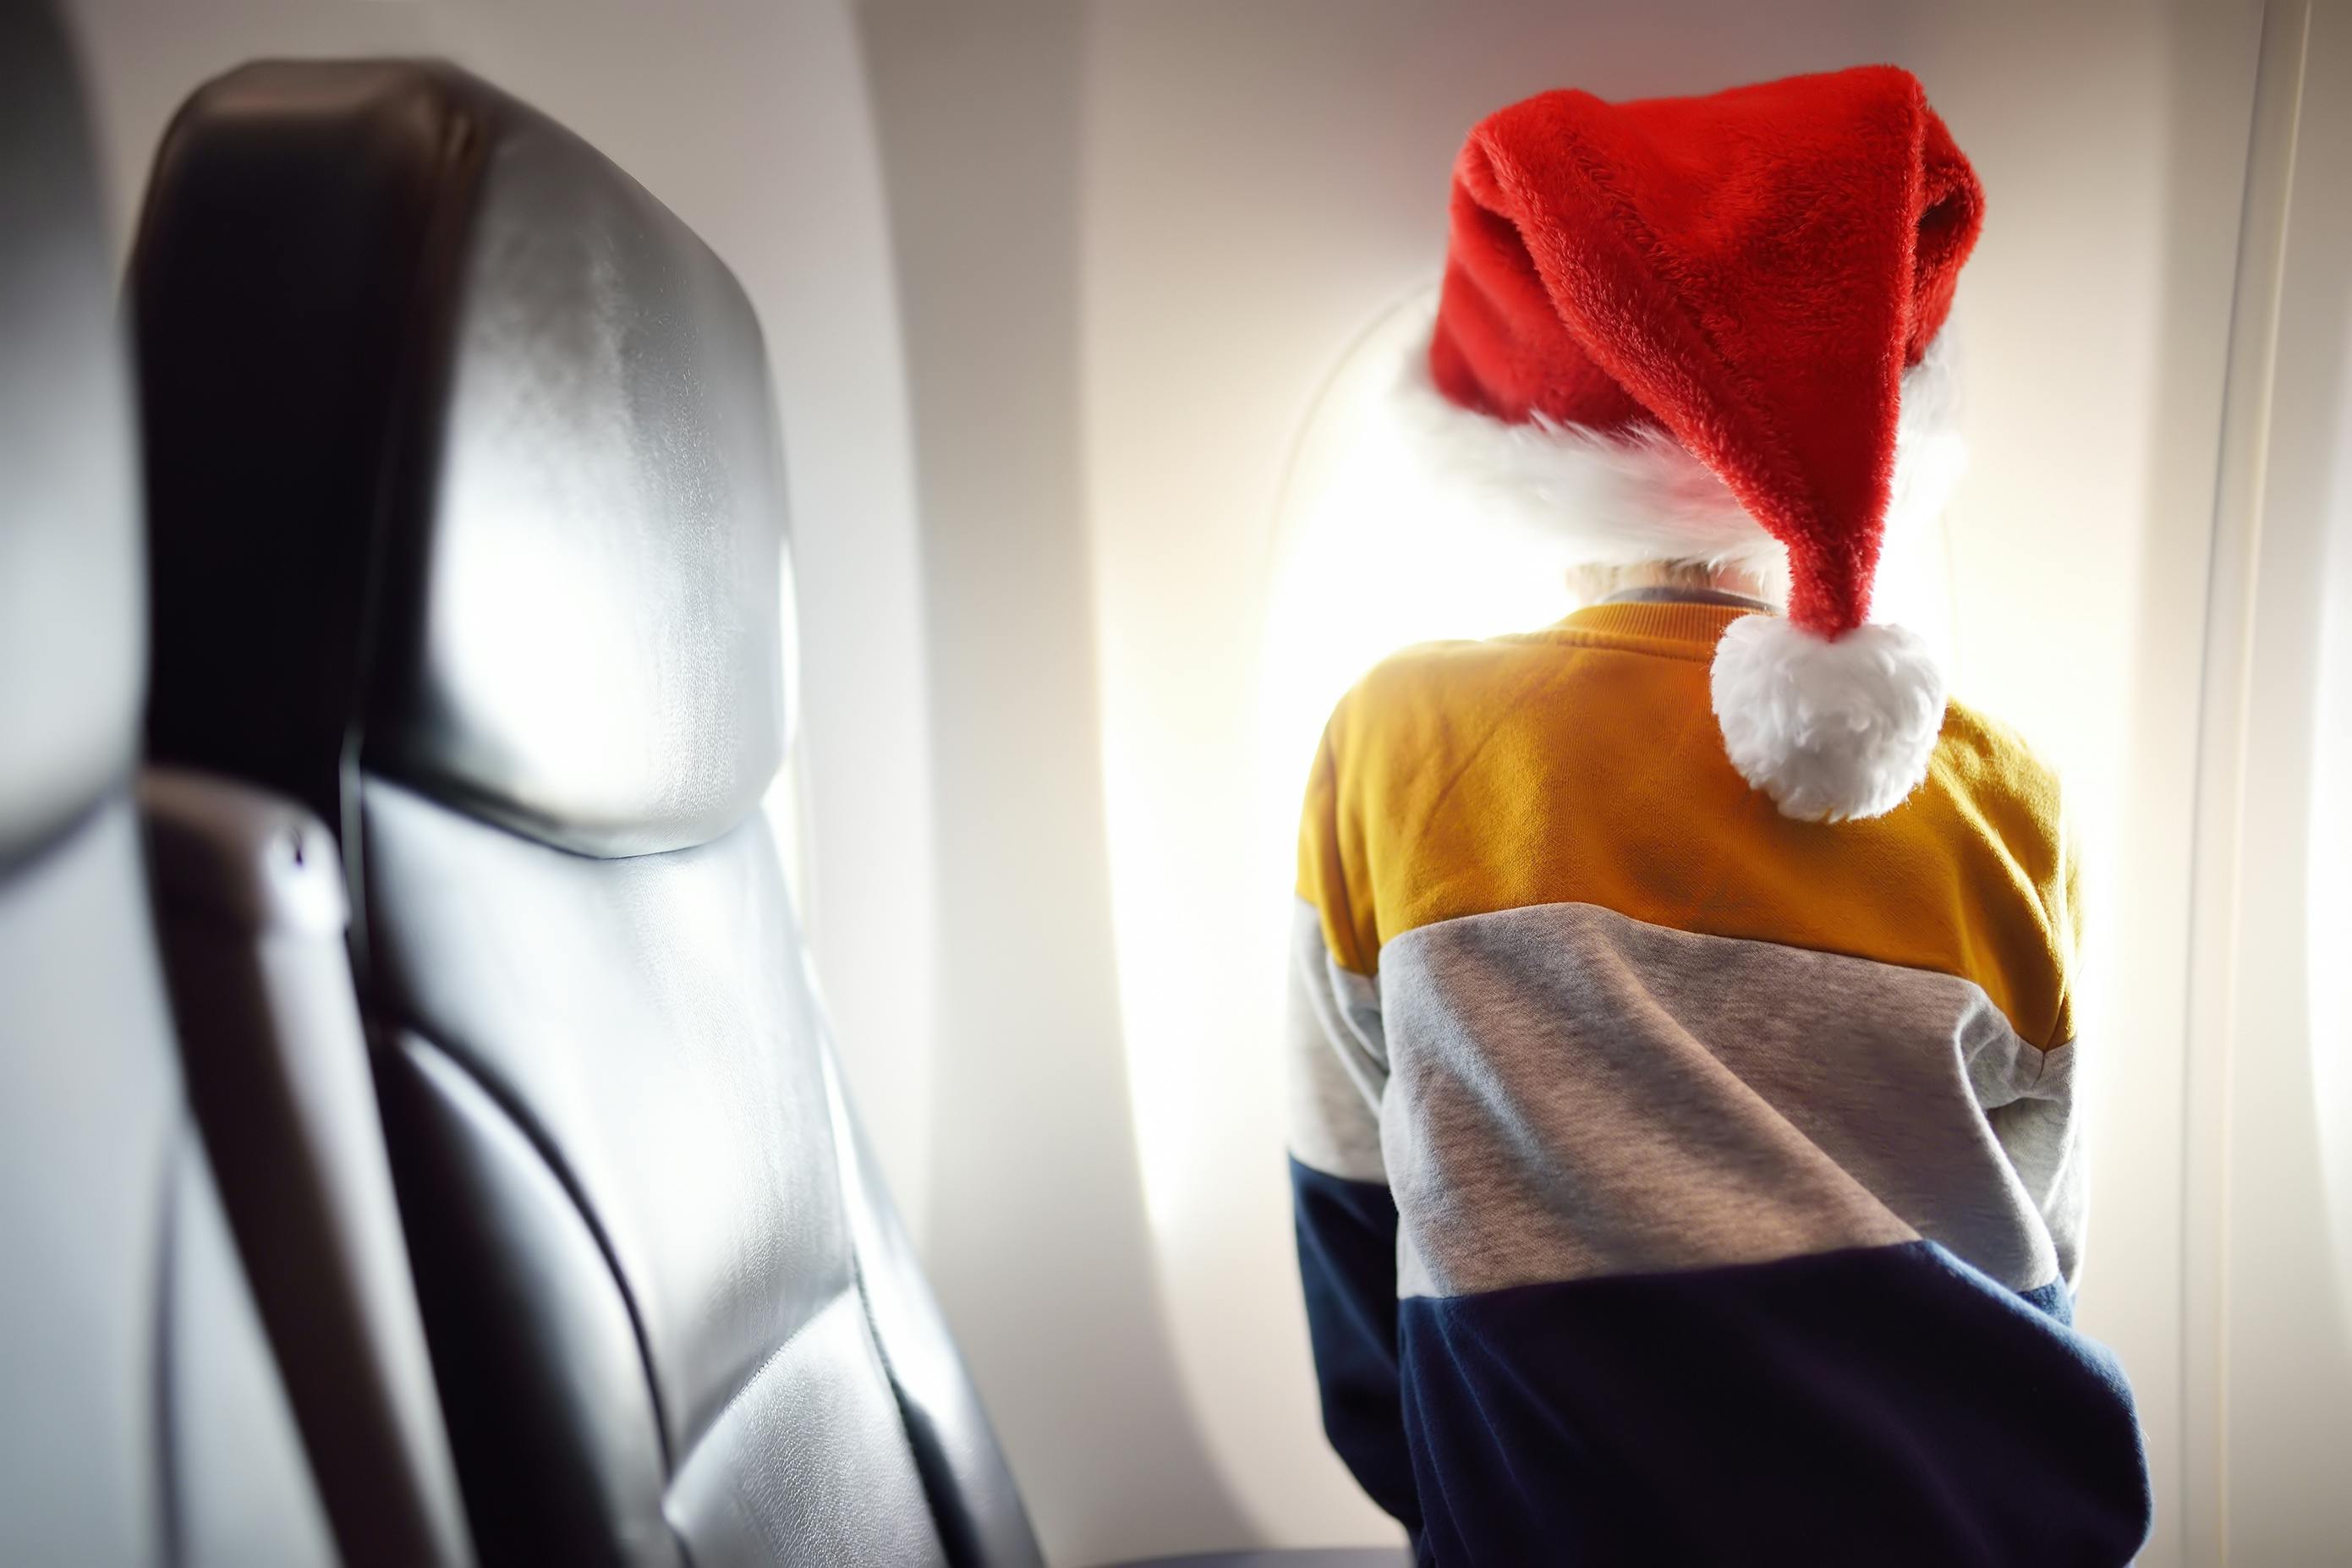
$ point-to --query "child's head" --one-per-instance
(1700, 333)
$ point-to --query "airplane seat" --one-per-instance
(143, 1420)
(467, 516)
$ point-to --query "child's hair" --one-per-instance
(1593, 582)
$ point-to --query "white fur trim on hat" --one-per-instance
(1830, 730)
(1639, 495)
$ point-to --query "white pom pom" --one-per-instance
(1829, 730)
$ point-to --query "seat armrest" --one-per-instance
(252, 917)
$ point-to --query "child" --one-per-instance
(1684, 1132)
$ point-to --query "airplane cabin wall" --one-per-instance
(2269, 1231)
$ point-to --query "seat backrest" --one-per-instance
(142, 1419)
(468, 516)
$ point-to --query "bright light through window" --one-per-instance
(1371, 557)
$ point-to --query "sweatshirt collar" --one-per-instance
(1664, 595)
(1679, 625)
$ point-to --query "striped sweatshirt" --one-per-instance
(1676, 1181)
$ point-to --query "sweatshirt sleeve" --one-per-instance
(1345, 1216)
(2041, 1130)
(2062, 1195)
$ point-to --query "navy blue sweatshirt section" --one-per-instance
(1346, 1258)
(1884, 1404)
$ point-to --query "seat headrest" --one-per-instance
(464, 465)
(72, 626)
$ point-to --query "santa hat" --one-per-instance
(1706, 329)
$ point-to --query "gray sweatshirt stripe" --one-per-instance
(1560, 1092)
(1338, 1065)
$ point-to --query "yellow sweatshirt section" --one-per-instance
(1582, 764)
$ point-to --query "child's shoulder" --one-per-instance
(1431, 670)
(1998, 772)
(2001, 805)
(1454, 680)
(1417, 710)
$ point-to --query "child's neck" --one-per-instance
(1653, 582)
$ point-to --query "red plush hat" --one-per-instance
(1706, 329)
